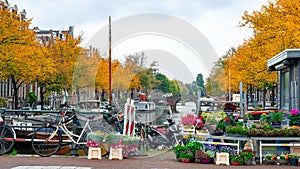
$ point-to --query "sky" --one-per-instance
(217, 20)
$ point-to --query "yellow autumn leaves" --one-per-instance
(276, 27)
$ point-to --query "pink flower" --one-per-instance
(294, 112)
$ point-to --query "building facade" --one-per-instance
(45, 38)
(287, 64)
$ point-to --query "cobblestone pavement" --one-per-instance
(154, 160)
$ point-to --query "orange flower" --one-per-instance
(287, 157)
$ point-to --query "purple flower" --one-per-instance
(210, 147)
(294, 112)
(227, 149)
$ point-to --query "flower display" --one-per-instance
(187, 154)
(189, 120)
(294, 112)
(247, 154)
(294, 117)
(227, 149)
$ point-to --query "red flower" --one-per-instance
(93, 144)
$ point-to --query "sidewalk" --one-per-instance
(155, 160)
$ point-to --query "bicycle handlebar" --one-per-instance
(70, 118)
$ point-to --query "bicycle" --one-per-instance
(8, 137)
(47, 140)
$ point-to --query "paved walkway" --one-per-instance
(50, 167)
(155, 160)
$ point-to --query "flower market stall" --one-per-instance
(276, 129)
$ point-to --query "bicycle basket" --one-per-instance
(97, 123)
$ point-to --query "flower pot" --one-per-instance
(197, 160)
(185, 160)
(276, 124)
(205, 160)
(235, 163)
(248, 162)
(293, 161)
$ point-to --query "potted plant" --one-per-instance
(211, 151)
(194, 146)
(293, 159)
(201, 157)
(276, 118)
(294, 117)
(236, 159)
(186, 156)
(188, 120)
(178, 149)
(247, 155)
(96, 137)
(114, 140)
(227, 149)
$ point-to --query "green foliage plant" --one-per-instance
(236, 158)
(247, 154)
(186, 154)
(276, 116)
(194, 146)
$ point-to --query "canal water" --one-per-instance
(159, 116)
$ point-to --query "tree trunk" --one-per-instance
(264, 97)
(42, 97)
(273, 96)
(15, 96)
(16, 86)
(102, 95)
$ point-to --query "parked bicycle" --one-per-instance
(7, 139)
(47, 140)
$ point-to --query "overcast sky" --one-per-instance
(217, 20)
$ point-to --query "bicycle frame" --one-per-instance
(69, 133)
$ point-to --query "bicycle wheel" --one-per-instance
(43, 145)
(7, 139)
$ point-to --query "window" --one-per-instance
(285, 93)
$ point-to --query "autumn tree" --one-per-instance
(275, 28)
(19, 51)
(85, 72)
(217, 84)
(102, 77)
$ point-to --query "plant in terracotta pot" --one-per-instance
(186, 156)
(236, 159)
